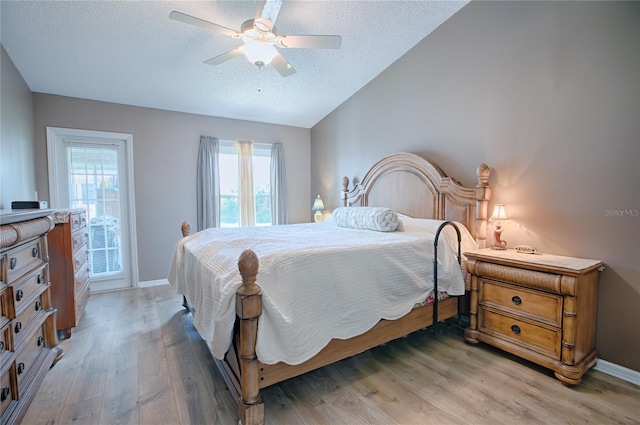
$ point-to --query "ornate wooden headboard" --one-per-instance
(411, 185)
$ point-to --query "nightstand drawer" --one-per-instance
(545, 340)
(529, 303)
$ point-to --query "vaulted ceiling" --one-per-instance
(130, 52)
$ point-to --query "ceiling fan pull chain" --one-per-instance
(259, 78)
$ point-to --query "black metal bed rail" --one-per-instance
(435, 265)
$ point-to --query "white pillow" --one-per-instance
(426, 225)
(380, 219)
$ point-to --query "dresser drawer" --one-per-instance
(78, 221)
(24, 318)
(21, 259)
(536, 337)
(4, 340)
(81, 277)
(529, 303)
(79, 238)
(79, 258)
(81, 301)
(6, 392)
(28, 355)
(23, 290)
(5, 302)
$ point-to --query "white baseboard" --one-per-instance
(621, 372)
(149, 283)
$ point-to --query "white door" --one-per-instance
(92, 170)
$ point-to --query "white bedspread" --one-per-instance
(319, 282)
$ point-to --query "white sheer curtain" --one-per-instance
(278, 185)
(245, 179)
(208, 183)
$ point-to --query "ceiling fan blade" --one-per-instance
(310, 41)
(266, 14)
(217, 60)
(191, 20)
(282, 66)
(259, 9)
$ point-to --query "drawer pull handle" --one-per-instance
(18, 327)
(38, 306)
(516, 300)
(19, 295)
(515, 329)
(40, 278)
(20, 368)
(5, 394)
(40, 341)
(34, 252)
(13, 263)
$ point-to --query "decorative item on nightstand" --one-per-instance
(499, 214)
(318, 207)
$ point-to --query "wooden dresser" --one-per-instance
(28, 340)
(69, 265)
(540, 307)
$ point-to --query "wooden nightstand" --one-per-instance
(540, 307)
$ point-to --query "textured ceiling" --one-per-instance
(130, 52)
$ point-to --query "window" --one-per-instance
(229, 184)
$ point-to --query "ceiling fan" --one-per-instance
(260, 38)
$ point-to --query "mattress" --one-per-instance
(319, 281)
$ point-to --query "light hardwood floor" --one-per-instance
(135, 358)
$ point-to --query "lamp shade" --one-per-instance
(499, 212)
(318, 205)
(259, 52)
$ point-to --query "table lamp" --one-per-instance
(318, 207)
(499, 214)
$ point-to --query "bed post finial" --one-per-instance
(186, 229)
(248, 266)
(482, 195)
(345, 189)
(483, 172)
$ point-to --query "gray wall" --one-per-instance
(17, 165)
(165, 150)
(547, 94)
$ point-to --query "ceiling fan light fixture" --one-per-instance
(259, 52)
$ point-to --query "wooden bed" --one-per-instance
(404, 182)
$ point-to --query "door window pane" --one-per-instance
(93, 185)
